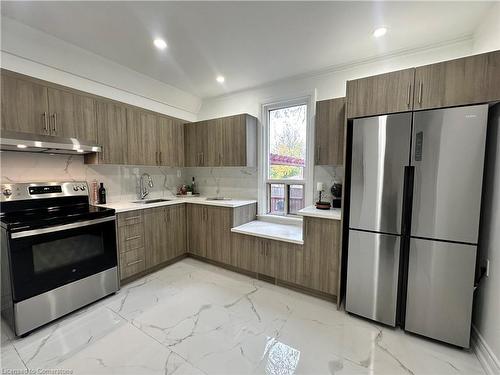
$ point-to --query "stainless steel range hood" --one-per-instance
(16, 141)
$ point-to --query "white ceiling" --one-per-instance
(250, 43)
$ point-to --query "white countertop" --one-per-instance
(123, 206)
(271, 231)
(332, 213)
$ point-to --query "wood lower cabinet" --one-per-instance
(111, 118)
(321, 254)
(329, 132)
(244, 252)
(291, 263)
(131, 241)
(176, 226)
(196, 229)
(218, 239)
(24, 106)
(469, 80)
(381, 94)
(267, 257)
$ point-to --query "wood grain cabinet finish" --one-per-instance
(291, 263)
(218, 221)
(329, 132)
(381, 94)
(141, 132)
(267, 258)
(468, 80)
(196, 229)
(227, 141)
(24, 106)
(72, 115)
(131, 241)
(244, 252)
(321, 254)
(176, 226)
(170, 147)
(111, 118)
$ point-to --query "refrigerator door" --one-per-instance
(440, 290)
(380, 151)
(448, 155)
(372, 275)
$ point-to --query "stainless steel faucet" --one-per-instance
(144, 191)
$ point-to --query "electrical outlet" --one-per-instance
(178, 173)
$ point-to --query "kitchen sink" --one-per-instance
(148, 201)
(218, 199)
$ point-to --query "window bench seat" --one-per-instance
(272, 231)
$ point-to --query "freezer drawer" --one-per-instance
(448, 155)
(440, 290)
(372, 275)
(380, 151)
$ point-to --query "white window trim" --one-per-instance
(263, 150)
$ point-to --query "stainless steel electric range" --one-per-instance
(58, 252)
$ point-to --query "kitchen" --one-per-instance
(248, 275)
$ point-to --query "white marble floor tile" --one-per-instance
(193, 317)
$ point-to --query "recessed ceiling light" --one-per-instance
(380, 31)
(22, 146)
(220, 79)
(160, 43)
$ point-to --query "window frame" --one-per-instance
(264, 164)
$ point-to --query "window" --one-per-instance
(286, 157)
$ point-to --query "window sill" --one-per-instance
(287, 220)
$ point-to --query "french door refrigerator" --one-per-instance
(416, 182)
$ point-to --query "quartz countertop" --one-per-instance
(332, 213)
(124, 206)
(272, 231)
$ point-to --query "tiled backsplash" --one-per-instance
(121, 182)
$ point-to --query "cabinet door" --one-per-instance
(111, 132)
(141, 130)
(214, 136)
(291, 263)
(24, 106)
(218, 233)
(157, 236)
(170, 142)
(321, 252)
(72, 115)
(234, 141)
(197, 230)
(381, 94)
(176, 216)
(244, 251)
(469, 80)
(267, 257)
(196, 144)
(329, 132)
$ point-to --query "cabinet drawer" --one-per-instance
(129, 218)
(130, 237)
(132, 262)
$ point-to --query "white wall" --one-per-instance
(329, 84)
(32, 52)
(487, 35)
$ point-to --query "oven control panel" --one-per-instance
(36, 190)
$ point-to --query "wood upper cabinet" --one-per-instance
(329, 132)
(227, 141)
(469, 80)
(196, 144)
(141, 131)
(24, 106)
(381, 94)
(170, 135)
(196, 229)
(71, 115)
(321, 254)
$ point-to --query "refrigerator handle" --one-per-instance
(407, 200)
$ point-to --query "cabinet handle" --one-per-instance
(160, 157)
(132, 218)
(420, 88)
(156, 157)
(133, 238)
(409, 94)
(202, 159)
(134, 262)
(54, 128)
(45, 122)
(318, 149)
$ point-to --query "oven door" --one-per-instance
(47, 258)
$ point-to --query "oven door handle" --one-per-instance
(58, 228)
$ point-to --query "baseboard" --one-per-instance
(486, 357)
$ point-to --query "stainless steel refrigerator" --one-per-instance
(415, 197)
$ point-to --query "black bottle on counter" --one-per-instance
(102, 194)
